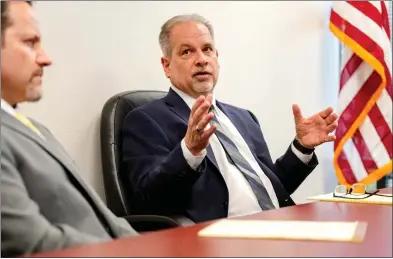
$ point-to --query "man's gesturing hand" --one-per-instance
(315, 130)
(197, 137)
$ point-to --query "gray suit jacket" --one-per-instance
(45, 204)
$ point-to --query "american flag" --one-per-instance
(363, 147)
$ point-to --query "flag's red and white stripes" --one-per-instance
(363, 147)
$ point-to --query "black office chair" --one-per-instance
(117, 197)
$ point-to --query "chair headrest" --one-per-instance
(119, 105)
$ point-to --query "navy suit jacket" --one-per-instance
(160, 180)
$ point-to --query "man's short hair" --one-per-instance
(5, 19)
(165, 34)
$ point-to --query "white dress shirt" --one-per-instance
(26, 122)
(242, 200)
(7, 108)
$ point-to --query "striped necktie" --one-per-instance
(235, 157)
(28, 123)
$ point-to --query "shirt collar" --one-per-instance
(189, 100)
(7, 107)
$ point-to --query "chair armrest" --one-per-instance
(182, 221)
(143, 223)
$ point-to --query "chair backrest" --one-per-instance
(112, 116)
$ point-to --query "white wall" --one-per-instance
(271, 56)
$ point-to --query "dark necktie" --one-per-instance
(235, 157)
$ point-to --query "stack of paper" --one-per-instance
(374, 199)
(293, 230)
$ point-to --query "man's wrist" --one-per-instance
(301, 148)
(192, 160)
(193, 152)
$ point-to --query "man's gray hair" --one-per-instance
(165, 34)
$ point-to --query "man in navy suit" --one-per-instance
(192, 155)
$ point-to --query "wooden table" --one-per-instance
(184, 242)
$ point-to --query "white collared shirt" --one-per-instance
(7, 108)
(242, 200)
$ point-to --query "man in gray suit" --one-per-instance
(45, 204)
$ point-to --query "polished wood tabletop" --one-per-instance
(185, 242)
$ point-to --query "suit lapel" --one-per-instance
(51, 146)
(177, 105)
(16, 125)
(210, 156)
(57, 151)
(181, 109)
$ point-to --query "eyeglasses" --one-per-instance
(357, 191)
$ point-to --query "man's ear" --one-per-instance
(165, 62)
